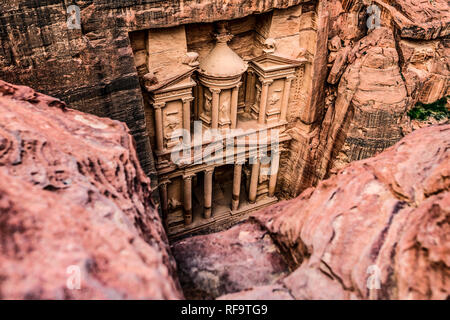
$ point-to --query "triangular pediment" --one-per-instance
(180, 81)
(269, 62)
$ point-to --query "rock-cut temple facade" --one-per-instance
(217, 99)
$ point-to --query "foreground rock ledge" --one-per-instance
(72, 195)
(386, 216)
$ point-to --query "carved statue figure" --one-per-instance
(191, 59)
(258, 96)
(172, 124)
(269, 45)
(276, 96)
(224, 111)
(173, 203)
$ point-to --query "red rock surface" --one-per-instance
(229, 261)
(72, 193)
(375, 77)
(389, 213)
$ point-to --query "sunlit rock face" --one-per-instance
(76, 216)
(376, 75)
(377, 230)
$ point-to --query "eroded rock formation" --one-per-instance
(375, 77)
(385, 217)
(228, 261)
(73, 195)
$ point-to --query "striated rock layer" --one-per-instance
(375, 77)
(379, 229)
(73, 197)
(365, 81)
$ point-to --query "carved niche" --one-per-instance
(173, 123)
(225, 108)
(206, 108)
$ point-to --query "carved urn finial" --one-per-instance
(269, 45)
(222, 35)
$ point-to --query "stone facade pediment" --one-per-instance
(271, 62)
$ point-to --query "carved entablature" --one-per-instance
(172, 109)
(274, 76)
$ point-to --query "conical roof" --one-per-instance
(222, 61)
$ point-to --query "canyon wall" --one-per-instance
(76, 216)
(374, 78)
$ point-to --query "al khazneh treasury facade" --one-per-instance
(240, 79)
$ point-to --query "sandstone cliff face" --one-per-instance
(369, 112)
(376, 76)
(383, 220)
(73, 195)
(366, 84)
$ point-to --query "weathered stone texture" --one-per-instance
(391, 211)
(72, 193)
(226, 262)
(383, 218)
(374, 78)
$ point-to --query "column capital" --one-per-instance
(215, 90)
(209, 170)
(164, 182)
(251, 71)
(291, 77)
(238, 85)
(188, 176)
(265, 82)
(187, 99)
(159, 105)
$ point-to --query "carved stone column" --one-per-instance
(236, 186)
(159, 125)
(199, 101)
(286, 94)
(187, 199)
(254, 180)
(263, 101)
(163, 195)
(215, 108)
(249, 90)
(234, 105)
(187, 114)
(274, 167)
(208, 192)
